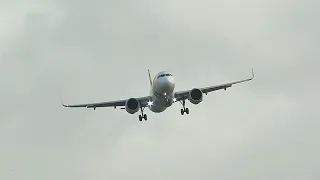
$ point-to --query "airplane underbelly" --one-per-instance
(160, 104)
(157, 109)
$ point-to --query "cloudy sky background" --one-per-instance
(87, 51)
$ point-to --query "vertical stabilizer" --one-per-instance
(150, 77)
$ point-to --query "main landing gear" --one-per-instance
(142, 116)
(184, 110)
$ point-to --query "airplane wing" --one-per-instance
(143, 102)
(182, 95)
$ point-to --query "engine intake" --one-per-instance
(195, 96)
(132, 105)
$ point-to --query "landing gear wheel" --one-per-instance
(184, 110)
(142, 115)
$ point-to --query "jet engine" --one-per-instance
(195, 96)
(132, 105)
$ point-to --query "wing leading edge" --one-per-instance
(143, 102)
(181, 95)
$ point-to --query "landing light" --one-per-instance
(174, 99)
(150, 103)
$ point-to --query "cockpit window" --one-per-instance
(163, 75)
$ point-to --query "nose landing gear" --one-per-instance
(184, 109)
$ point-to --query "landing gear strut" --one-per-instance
(142, 116)
(184, 109)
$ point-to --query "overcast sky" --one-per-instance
(100, 50)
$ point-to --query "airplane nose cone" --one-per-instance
(166, 86)
(171, 83)
(171, 80)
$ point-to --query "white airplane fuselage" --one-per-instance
(162, 92)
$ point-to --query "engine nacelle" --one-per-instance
(132, 105)
(195, 96)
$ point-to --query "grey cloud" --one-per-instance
(86, 51)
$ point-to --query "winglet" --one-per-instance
(63, 104)
(252, 74)
(150, 77)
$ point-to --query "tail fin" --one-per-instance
(150, 77)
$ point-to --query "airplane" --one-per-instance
(161, 96)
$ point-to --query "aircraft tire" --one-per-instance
(187, 110)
